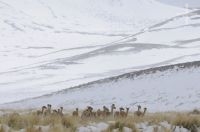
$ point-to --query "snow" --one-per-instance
(172, 89)
(160, 127)
(183, 3)
(143, 127)
(50, 46)
(99, 127)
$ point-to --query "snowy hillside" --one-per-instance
(183, 3)
(54, 45)
(173, 87)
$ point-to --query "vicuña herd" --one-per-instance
(48, 111)
(89, 112)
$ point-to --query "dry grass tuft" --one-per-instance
(69, 122)
(61, 128)
(189, 122)
(120, 126)
(31, 122)
(33, 129)
(28, 122)
(15, 121)
(2, 129)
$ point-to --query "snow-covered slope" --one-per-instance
(48, 46)
(173, 87)
(88, 15)
(183, 3)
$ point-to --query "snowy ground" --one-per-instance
(51, 46)
(99, 127)
(142, 127)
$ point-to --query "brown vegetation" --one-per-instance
(34, 122)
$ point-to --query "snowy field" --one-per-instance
(51, 46)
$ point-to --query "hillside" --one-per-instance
(64, 44)
(183, 3)
(173, 87)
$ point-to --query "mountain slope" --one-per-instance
(173, 87)
(88, 15)
(183, 3)
(63, 44)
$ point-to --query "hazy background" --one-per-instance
(191, 3)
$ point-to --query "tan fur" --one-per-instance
(124, 114)
(75, 113)
(41, 112)
(139, 112)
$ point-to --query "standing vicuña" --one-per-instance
(41, 112)
(75, 113)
